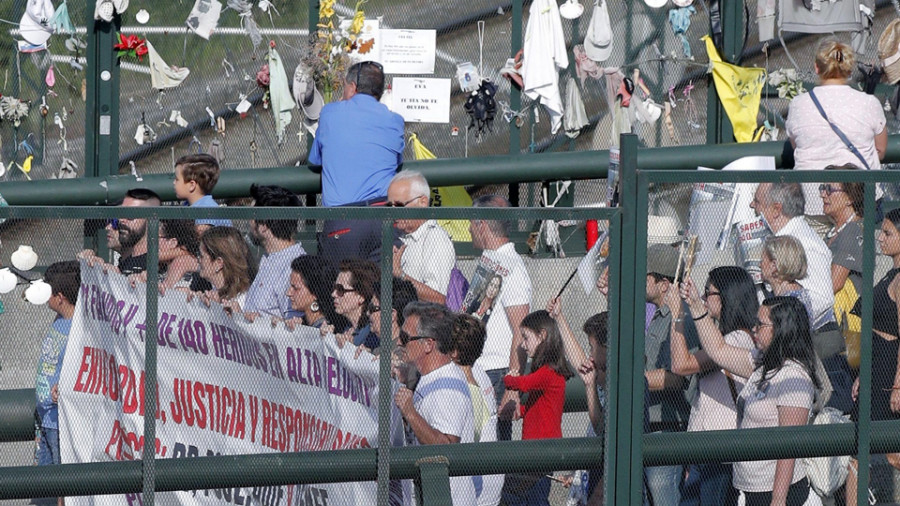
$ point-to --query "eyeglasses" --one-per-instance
(113, 223)
(760, 325)
(359, 69)
(340, 290)
(707, 294)
(827, 189)
(373, 308)
(406, 339)
(402, 204)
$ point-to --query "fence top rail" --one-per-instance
(312, 213)
(769, 176)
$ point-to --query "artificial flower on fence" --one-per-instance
(131, 45)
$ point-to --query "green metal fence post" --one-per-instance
(614, 402)
(433, 482)
(628, 469)
(515, 95)
(864, 427)
(148, 457)
(386, 299)
(101, 123)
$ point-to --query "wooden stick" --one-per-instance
(561, 290)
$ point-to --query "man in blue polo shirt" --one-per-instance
(359, 144)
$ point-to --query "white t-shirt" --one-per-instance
(790, 386)
(859, 115)
(442, 399)
(818, 265)
(515, 291)
(713, 408)
(429, 256)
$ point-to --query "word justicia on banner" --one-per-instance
(224, 387)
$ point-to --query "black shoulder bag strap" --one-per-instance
(838, 131)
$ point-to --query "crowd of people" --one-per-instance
(736, 355)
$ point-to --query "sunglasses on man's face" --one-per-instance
(405, 339)
(113, 223)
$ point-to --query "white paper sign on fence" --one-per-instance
(422, 100)
(408, 51)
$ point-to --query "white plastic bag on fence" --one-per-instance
(827, 474)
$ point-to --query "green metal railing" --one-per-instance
(430, 465)
(627, 449)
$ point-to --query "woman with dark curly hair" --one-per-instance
(311, 282)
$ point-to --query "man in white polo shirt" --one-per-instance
(427, 255)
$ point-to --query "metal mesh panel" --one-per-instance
(23, 77)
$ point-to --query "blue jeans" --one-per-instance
(708, 485)
(664, 484)
(48, 448)
(504, 427)
(47, 454)
(538, 494)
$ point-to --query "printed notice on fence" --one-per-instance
(408, 51)
(422, 100)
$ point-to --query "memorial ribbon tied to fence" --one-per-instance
(225, 387)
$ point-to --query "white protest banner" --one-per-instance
(422, 100)
(225, 387)
(408, 51)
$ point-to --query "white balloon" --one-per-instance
(142, 16)
(39, 292)
(24, 258)
(7, 281)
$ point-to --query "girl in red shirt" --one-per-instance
(546, 388)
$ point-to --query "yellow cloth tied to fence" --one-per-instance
(739, 90)
(851, 325)
(447, 196)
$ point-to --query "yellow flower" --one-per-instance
(358, 20)
(326, 9)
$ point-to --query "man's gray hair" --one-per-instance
(435, 321)
(418, 185)
(790, 196)
(499, 228)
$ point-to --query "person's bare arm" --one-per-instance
(839, 275)
(426, 293)
(731, 358)
(784, 468)
(881, 139)
(575, 354)
(661, 379)
(684, 363)
(425, 433)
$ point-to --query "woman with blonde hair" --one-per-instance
(226, 262)
(858, 116)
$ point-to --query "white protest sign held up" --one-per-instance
(408, 51)
(422, 100)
